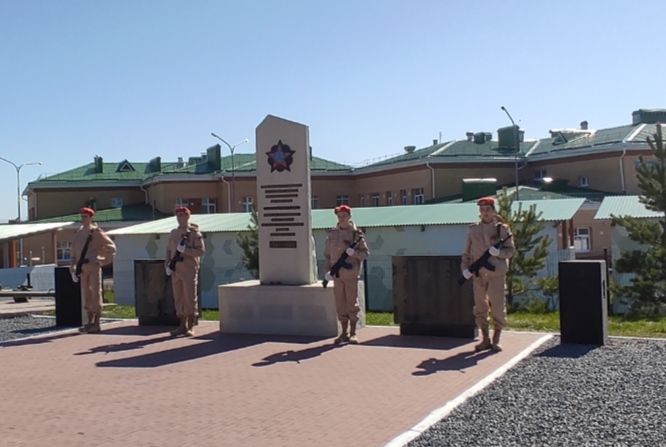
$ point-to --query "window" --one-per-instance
(362, 201)
(208, 205)
(389, 198)
(181, 202)
(314, 202)
(403, 197)
(247, 204)
(341, 200)
(417, 196)
(541, 173)
(583, 181)
(582, 239)
(63, 251)
(116, 202)
(374, 199)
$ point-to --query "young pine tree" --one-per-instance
(531, 249)
(648, 287)
(249, 243)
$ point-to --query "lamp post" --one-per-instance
(233, 173)
(18, 195)
(517, 143)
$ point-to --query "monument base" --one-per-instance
(251, 308)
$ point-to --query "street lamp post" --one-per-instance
(233, 173)
(18, 195)
(517, 147)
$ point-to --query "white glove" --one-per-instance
(75, 278)
(467, 274)
(328, 277)
(167, 270)
(350, 251)
(180, 247)
(494, 251)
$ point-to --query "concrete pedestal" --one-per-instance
(251, 308)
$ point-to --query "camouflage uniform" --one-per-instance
(185, 274)
(345, 287)
(488, 285)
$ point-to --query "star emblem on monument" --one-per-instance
(280, 157)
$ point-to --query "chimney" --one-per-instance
(410, 149)
(470, 136)
(99, 164)
(180, 162)
(583, 125)
(434, 141)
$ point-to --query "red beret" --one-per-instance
(342, 209)
(87, 211)
(486, 201)
(183, 209)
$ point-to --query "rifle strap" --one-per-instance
(84, 251)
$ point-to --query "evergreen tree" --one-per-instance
(249, 243)
(531, 249)
(648, 287)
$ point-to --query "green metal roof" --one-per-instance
(248, 163)
(208, 223)
(142, 171)
(594, 141)
(109, 172)
(387, 216)
(628, 206)
(451, 150)
(126, 213)
(13, 231)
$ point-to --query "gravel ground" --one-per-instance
(26, 326)
(567, 395)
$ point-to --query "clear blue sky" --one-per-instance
(137, 79)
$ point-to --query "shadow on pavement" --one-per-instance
(458, 362)
(296, 356)
(416, 341)
(127, 346)
(213, 344)
(39, 340)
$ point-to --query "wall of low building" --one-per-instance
(163, 195)
(600, 234)
(393, 181)
(604, 172)
(59, 202)
(223, 264)
(41, 246)
(449, 178)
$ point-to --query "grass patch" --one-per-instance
(379, 319)
(118, 311)
(517, 321)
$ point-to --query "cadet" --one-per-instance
(91, 250)
(345, 284)
(183, 257)
(488, 285)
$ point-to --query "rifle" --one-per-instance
(82, 259)
(177, 257)
(341, 263)
(483, 261)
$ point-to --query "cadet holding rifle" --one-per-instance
(494, 237)
(183, 258)
(91, 250)
(345, 251)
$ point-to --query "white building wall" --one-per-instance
(223, 264)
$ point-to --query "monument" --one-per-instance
(286, 299)
(283, 197)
